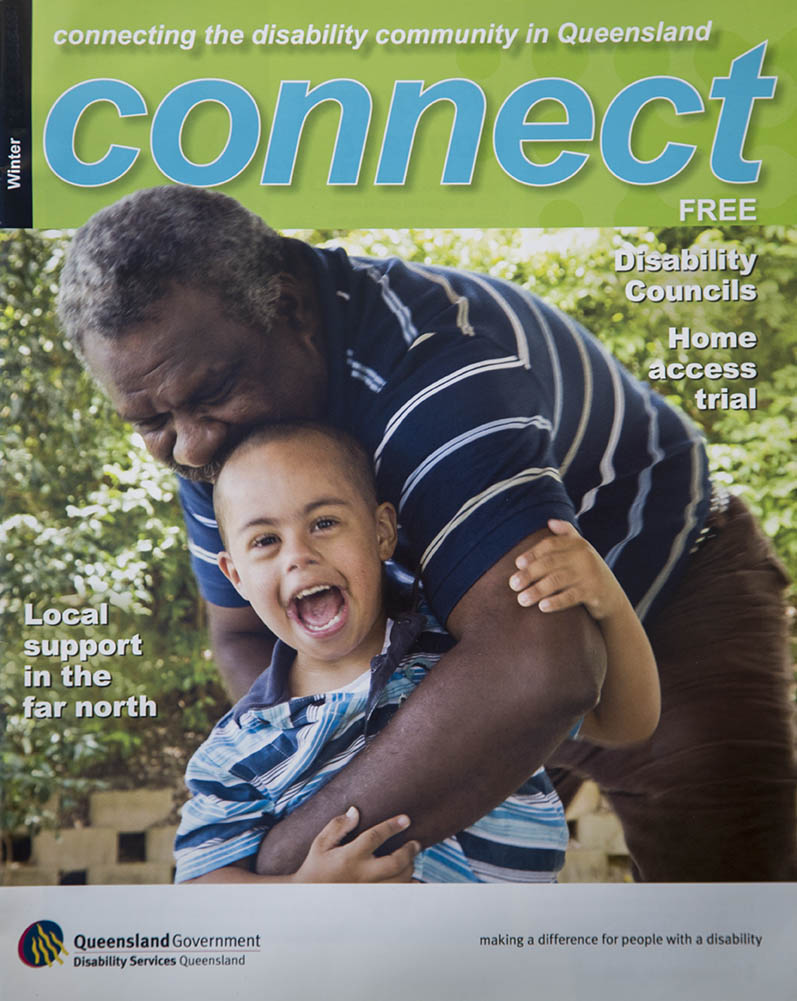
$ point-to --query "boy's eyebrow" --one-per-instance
(307, 509)
(324, 502)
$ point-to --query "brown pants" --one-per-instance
(711, 796)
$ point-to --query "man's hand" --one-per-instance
(329, 861)
(486, 717)
(563, 571)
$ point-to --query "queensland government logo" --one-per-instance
(41, 944)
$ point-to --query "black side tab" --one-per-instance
(16, 195)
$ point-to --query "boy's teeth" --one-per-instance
(319, 607)
(312, 590)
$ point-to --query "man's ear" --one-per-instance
(295, 303)
(386, 530)
(227, 567)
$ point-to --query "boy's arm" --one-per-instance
(330, 861)
(564, 570)
(236, 872)
(630, 701)
(497, 704)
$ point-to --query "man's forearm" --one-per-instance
(455, 750)
(241, 647)
(485, 718)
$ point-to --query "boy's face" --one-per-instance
(305, 548)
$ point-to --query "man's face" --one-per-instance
(192, 379)
(305, 547)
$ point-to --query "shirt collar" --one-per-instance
(272, 685)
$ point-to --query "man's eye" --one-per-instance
(215, 397)
(149, 424)
(216, 394)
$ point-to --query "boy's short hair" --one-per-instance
(353, 455)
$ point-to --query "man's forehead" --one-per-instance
(179, 315)
(123, 364)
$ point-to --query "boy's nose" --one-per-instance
(299, 554)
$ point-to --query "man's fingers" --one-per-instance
(377, 835)
(333, 833)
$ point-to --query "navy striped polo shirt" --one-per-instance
(487, 412)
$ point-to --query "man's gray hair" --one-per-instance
(128, 255)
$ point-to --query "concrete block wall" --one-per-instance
(140, 808)
(100, 854)
(597, 852)
(129, 840)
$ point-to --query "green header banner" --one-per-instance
(442, 114)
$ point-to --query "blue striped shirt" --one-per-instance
(272, 752)
(488, 412)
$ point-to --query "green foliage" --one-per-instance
(752, 452)
(88, 517)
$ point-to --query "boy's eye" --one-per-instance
(263, 541)
(322, 523)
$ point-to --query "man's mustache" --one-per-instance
(208, 472)
(197, 474)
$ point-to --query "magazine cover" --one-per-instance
(534, 271)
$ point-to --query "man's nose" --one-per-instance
(196, 442)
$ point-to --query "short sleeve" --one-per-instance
(204, 544)
(464, 450)
(227, 817)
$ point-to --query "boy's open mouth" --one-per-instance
(319, 608)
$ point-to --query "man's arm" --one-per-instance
(484, 719)
(241, 646)
(334, 858)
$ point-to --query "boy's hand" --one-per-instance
(563, 571)
(328, 861)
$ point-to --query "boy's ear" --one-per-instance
(386, 530)
(227, 567)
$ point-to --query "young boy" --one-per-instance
(305, 543)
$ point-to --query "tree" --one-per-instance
(89, 518)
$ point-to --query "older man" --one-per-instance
(487, 413)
